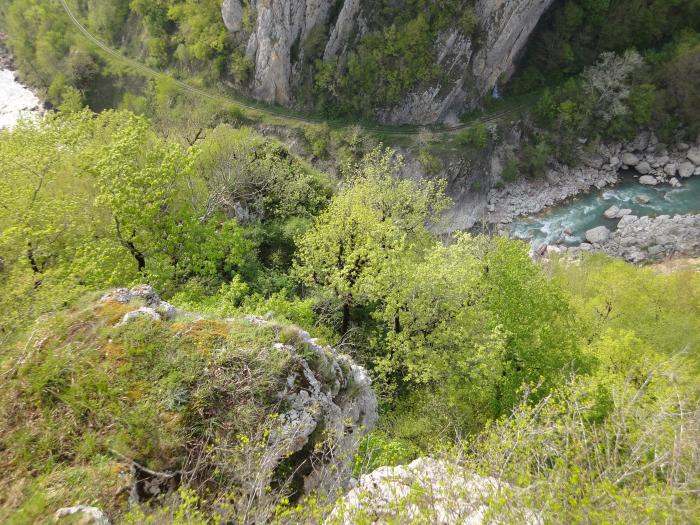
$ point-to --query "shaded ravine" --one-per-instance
(567, 223)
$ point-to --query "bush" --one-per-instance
(468, 22)
(477, 135)
(510, 171)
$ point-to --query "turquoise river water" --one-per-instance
(581, 213)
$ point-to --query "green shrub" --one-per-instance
(510, 171)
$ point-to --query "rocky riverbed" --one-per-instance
(653, 161)
(658, 220)
(641, 239)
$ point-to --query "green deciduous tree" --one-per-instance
(376, 220)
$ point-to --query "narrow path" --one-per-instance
(274, 111)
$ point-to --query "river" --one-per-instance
(15, 100)
(568, 222)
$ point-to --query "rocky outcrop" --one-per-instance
(643, 239)
(335, 408)
(426, 491)
(328, 403)
(276, 48)
(505, 26)
(153, 307)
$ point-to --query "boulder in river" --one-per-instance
(643, 168)
(671, 169)
(613, 212)
(648, 180)
(630, 159)
(694, 156)
(598, 235)
(686, 170)
(643, 199)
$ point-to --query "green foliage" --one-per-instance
(394, 57)
(241, 66)
(510, 171)
(154, 392)
(318, 138)
(535, 157)
(468, 22)
(430, 163)
(344, 253)
(477, 136)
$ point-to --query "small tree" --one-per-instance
(375, 220)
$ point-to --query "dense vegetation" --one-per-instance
(609, 68)
(573, 381)
(452, 331)
(397, 54)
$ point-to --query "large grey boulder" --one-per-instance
(630, 159)
(694, 156)
(613, 212)
(686, 170)
(643, 168)
(597, 235)
(648, 180)
(671, 169)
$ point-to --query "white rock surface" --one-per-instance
(426, 491)
(80, 515)
(16, 101)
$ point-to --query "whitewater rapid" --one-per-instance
(15, 100)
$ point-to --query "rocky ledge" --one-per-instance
(641, 239)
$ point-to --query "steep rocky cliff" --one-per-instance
(471, 65)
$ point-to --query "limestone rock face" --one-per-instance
(276, 47)
(232, 13)
(426, 491)
(281, 26)
(338, 400)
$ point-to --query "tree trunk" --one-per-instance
(345, 324)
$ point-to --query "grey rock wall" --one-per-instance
(471, 70)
